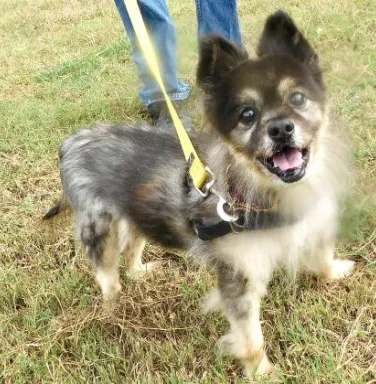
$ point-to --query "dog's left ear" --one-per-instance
(281, 36)
(216, 58)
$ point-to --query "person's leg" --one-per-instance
(162, 32)
(220, 17)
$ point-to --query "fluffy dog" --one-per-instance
(276, 160)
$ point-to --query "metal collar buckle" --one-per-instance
(222, 204)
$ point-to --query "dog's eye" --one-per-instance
(248, 115)
(297, 99)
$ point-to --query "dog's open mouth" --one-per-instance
(289, 164)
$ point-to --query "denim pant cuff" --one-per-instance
(181, 93)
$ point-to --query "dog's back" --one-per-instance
(120, 170)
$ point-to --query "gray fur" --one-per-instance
(233, 287)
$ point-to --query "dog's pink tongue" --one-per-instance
(288, 159)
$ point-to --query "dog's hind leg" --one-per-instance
(133, 255)
(103, 240)
(241, 305)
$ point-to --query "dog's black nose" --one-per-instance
(281, 129)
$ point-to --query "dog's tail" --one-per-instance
(61, 206)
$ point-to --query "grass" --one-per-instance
(66, 65)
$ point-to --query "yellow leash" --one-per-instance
(197, 170)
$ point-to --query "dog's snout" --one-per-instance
(281, 129)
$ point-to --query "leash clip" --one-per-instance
(222, 203)
(206, 189)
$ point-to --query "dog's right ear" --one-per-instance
(216, 58)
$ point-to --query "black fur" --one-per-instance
(55, 210)
(217, 57)
(281, 36)
(93, 235)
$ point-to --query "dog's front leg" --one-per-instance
(241, 304)
(322, 262)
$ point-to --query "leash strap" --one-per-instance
(197, 170)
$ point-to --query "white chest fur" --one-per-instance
(257, 253)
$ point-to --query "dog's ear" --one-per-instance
(281, 36)
(216, 58)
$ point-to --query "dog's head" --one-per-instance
(271, 109)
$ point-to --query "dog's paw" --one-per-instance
(261, 367)
(110, 285)
(341, 268)
(111, 296)
(139, 269)
(265, 366)
(212, 302)
(111, 301)
(255, 362)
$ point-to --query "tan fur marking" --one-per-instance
(250, 94)
(286, 85)
(145, 192)
(258, 363)
(254, 357)
(133, 255)
(107, 273)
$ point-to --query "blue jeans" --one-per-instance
(213, 16)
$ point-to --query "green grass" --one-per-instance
(66, 65)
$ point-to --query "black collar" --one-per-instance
(251, 217)
(248, 221)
